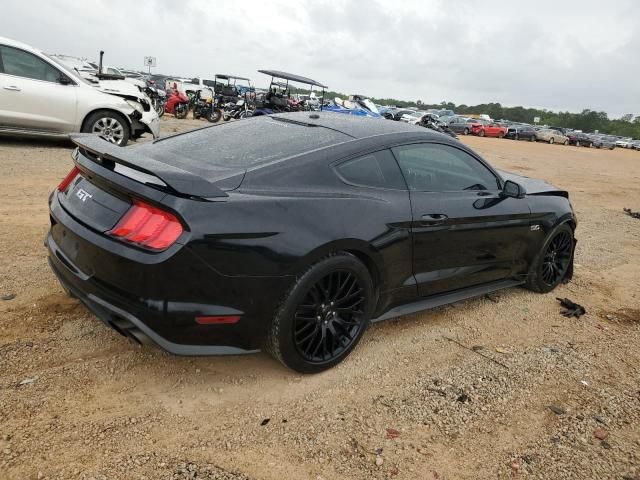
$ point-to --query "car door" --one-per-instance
(32, 96)
(490, 130)
(387, 228)
(464, 231)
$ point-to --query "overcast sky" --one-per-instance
(560, 55)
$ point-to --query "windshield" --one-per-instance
(370, 105)
(71, 70)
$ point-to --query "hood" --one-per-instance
(533, 186)
(121, 88)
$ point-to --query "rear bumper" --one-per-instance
(114, 313)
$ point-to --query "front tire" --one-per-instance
(181, 110)
(214, 115)
(112, 126)
(551, 140)
(481, 133)
(466, 131)
(553, 262)
(323, 316)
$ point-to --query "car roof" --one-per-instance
(14, 43)
(353, 126)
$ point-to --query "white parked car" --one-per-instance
(41, 96)
(413, 117)
(624, 142)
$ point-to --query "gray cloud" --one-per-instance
(565, 55)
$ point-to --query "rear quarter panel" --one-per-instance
(284, 219)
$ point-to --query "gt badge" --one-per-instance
(83, 194)
(535, 228)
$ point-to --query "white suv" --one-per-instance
(41, 96)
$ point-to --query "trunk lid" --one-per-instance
(148, 166)
(92, 205)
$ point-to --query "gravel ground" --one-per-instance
(496, 387)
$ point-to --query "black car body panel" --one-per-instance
(580, 139)
(521, 132)
(251, 228)
(462, 125)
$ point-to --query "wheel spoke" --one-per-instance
(330, 317)
(557, 258)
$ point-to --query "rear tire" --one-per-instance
(323, 316)
(466, 131)
(532, 138)
(549, 269)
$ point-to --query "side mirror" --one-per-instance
(64, 80)
(512, 189)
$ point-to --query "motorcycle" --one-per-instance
(157, 95)
(206, 107)
(237, 111)
(177, 103)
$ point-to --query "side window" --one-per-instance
(378, 169)
(23, 64)
(442, 168)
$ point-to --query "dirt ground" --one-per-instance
(78, 401)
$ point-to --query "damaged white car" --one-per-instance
(39, 95)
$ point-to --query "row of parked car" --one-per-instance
(46, 94)
(566, 136)
(483, 126)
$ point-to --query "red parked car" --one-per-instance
(486, 129)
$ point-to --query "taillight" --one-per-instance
(148, 227)
(66, 181)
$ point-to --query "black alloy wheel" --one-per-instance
(554, 261)
(329, 318)
(324, 315)
(557, 258)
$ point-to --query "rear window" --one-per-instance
(245, 143)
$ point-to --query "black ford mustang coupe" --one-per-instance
(293, 232)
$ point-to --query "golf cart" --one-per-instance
(226, 87)
(236, 100)
(358, 105)
(278, 97)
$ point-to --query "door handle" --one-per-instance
(433, 219)
(13, 88)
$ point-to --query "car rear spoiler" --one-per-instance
(181, 181)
